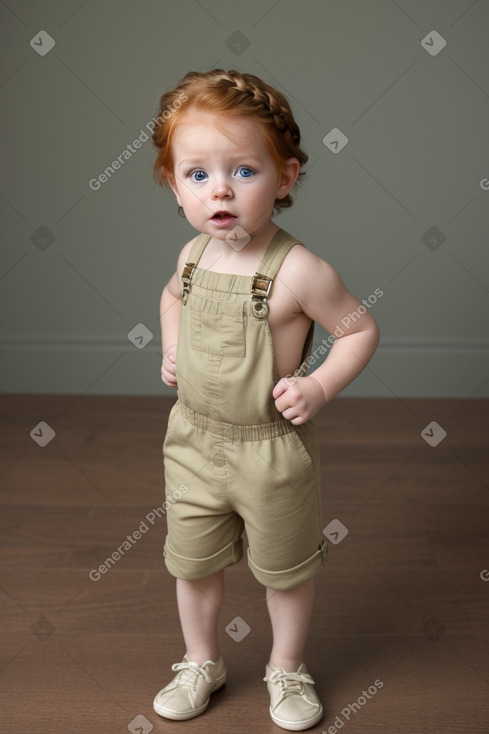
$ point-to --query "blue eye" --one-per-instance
(198, 176)
(245, 172)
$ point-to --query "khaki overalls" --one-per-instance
(232, 462)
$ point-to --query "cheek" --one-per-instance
(188, 197)
(265, 194)
(263, 191)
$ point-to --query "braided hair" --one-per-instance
(233, 93)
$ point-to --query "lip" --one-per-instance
(222, 221)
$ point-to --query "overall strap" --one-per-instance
(198, 248)
(194, 256)
(279, 246)
(261, 283)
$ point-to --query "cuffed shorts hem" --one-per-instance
(192, 569)
(283, 580)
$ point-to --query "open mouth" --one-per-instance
(223, 217)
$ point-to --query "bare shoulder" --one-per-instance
(305, 272)
(183, 256)
(318, 291)
(174, 284)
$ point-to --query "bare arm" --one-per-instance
(170, 310)
(321, 294)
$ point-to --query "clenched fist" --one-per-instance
(298, 398)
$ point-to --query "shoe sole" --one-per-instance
(297, 725)
(185, 715)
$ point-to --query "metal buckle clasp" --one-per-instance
(260, 289)
(188, 271)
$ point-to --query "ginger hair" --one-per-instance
(228, 93)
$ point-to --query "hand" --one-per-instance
(298, 398)
(168, 367)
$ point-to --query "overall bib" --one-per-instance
(232, 462)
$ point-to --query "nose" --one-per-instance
(222, 189)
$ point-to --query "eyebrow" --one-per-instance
(188, 161)
(198, 159)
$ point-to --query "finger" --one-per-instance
(280, 388)
(282, 404)
(169, 367)
(168, 378)
(289, 412)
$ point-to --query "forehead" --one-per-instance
(201, 131)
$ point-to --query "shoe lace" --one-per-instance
(188, 672)
(290, 683)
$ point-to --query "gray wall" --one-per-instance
(416, 160)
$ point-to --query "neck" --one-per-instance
(221, 256)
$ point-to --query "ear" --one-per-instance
(170, 177)
(288, 177)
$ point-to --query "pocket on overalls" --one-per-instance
(218, 327)
(171, 416)
(304, 437)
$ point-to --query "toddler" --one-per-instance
(237, 320)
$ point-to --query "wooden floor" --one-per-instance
(404, 599)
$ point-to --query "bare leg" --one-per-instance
(199, 604)
(290, 614)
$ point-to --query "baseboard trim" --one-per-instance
(400, 367)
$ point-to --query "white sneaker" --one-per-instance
(294, 704)
(189, 692)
